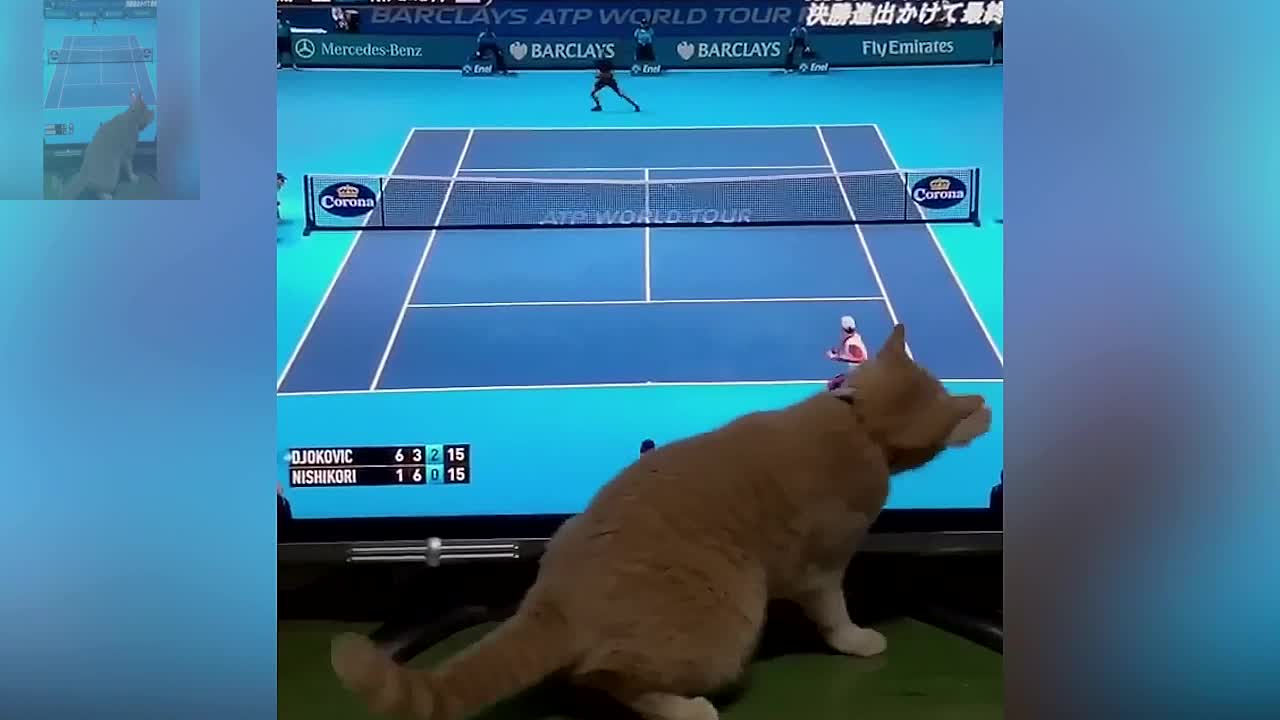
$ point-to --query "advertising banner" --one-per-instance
(846, 50)
(114, 12)
(536, 53)
(905, 15)
(362, 51)
(670, 18)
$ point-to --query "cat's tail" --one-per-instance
(515, 656)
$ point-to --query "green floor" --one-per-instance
(926, 673)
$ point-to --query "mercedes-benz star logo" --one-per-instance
(305, 49)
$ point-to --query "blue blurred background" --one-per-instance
(137, 412)
(1141, 503)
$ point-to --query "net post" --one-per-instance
(973, 201)
(308, 210)
(382, 202)
(906, 197)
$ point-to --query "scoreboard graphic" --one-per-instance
(374, 466)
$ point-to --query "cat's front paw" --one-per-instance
(862, 642)
(698, 708)
(133, 179)
(971, 428)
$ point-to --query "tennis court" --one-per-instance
(631, 306)
(98, 71)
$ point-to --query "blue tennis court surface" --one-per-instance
(490, 309)
(98, 84)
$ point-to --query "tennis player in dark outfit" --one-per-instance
(486, 45)
(605, 79)
(280, 181)
(799, 45)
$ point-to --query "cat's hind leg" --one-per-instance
(100, 193)
(824, 604)
(664, 672)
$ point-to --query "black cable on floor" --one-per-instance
(987, 632)
(407, 639)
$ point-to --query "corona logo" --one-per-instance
(348, 199)
(939, 192)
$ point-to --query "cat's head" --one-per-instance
(143, 114)
(906, 411)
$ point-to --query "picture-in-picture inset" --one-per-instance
(100, 103)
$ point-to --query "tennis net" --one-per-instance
(110, 55)
(399, 202)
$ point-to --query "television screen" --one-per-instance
(506, 268)
(99, 56)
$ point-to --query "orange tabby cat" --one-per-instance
(656, 593)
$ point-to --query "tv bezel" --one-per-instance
(956, 522)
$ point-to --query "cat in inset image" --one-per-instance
(110, 153)
(656, 593)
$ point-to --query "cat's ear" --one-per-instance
(897, 342)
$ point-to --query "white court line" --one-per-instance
(648, 274)
(422, 261)
(97, 107)
(63, 89)
(324, 299)
(97, 84)
(472, 179)
(594, 386)
(632, 128)
(639, 169)
(947, 261)
(132, 41)
(646, 301)
(875, 271)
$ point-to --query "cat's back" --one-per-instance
(120, 131)
(111, 129)
(764, 443)
(698, 467)
(111, 141)
(660, 546)
(720, 482)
